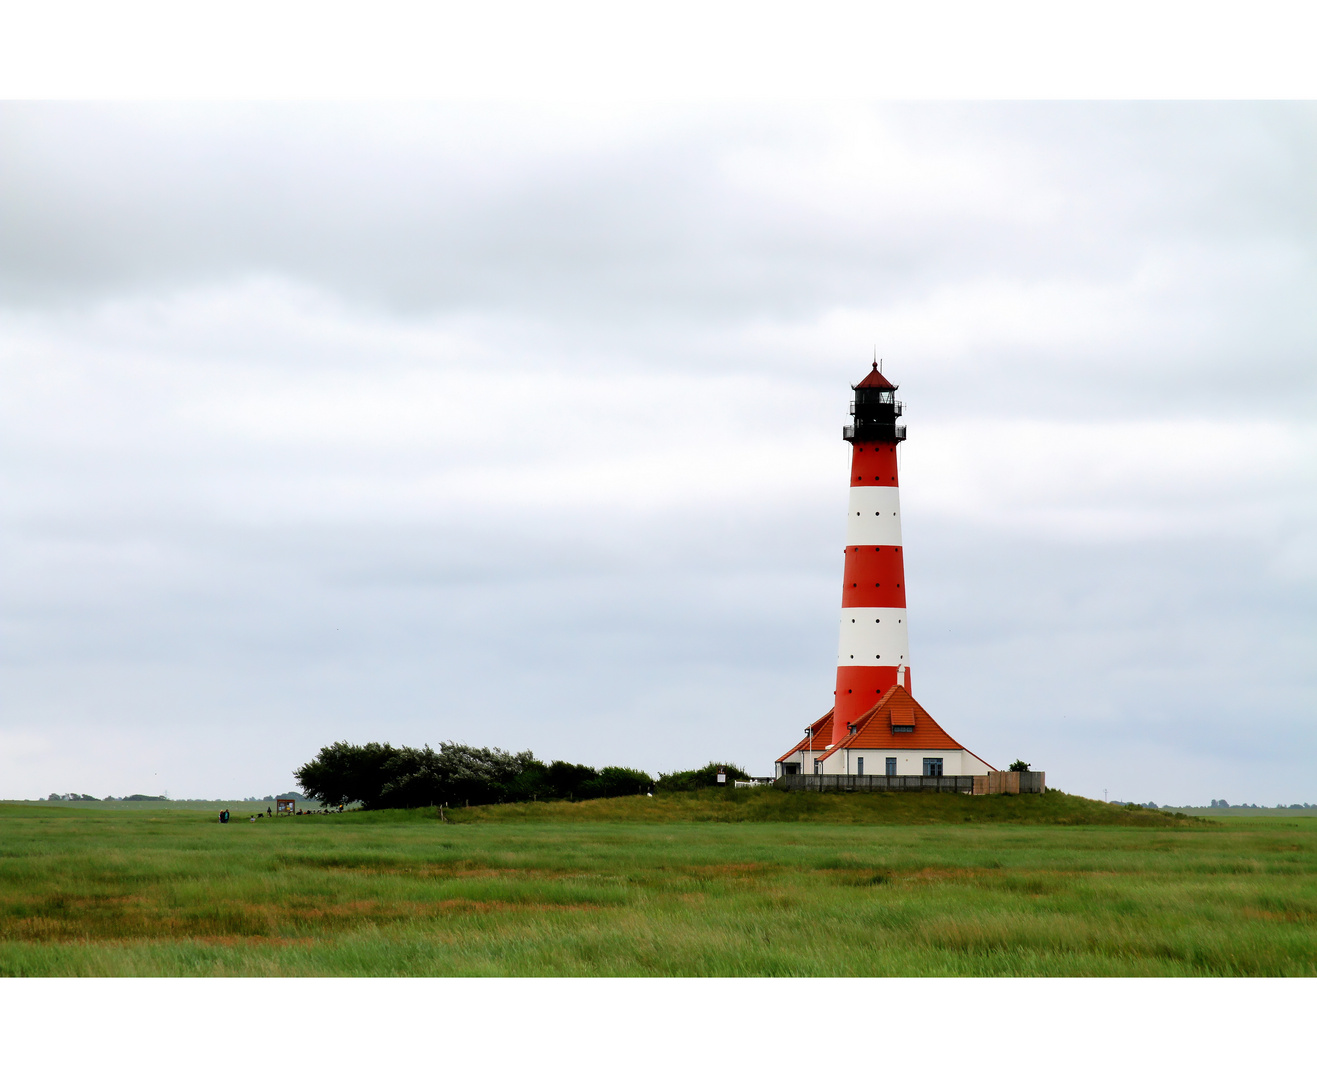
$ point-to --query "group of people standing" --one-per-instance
(269, 813)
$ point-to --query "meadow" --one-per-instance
(750, 883)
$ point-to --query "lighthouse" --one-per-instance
(873, 646)
(875, 724)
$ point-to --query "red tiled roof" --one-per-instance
(874, 379)
(821, 731)
(873, 730)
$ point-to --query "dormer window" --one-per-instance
(902, 727)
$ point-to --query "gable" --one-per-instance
(820, 733)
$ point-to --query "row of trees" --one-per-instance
(381, 776)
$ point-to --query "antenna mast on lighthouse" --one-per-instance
(873, 651)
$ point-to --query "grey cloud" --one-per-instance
(444, 208)
(518, 427)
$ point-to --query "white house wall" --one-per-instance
(908, 762)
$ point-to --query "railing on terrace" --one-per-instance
(896, 432)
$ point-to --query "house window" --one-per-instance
(790, 768)
(932, 766)
(859, 766)
(818, 766)
(891, 766)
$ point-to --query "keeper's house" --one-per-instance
(896, 737)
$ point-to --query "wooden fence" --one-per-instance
(995, 783)
(963, 785)
(1011, 783)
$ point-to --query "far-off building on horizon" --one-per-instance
(875, 728)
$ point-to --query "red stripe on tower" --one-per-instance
(873, 652)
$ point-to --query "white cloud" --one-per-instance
(518, 428)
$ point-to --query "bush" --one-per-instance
(700, 778)
(385, 777)
(1020, 765)
(614, 781)
(566, 781)
(342, 772)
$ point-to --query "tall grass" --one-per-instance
(551, 890)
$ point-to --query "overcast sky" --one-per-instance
(522, 428)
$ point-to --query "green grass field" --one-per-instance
(715, 883)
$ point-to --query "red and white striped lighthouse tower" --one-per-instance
(875, 720)
(873, 651)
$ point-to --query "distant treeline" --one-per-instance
(381, 776)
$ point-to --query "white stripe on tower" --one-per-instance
(872, 637)
(874, 516)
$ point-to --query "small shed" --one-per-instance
(285, 806)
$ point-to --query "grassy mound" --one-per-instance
(769, 805)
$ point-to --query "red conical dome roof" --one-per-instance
(875, 380)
